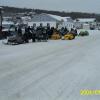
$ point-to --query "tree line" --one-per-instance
(74, 15)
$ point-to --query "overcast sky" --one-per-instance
(59, 5)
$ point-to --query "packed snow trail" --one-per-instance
(54, 70)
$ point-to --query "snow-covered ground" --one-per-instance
(53, 70)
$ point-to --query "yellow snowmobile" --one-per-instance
(56, 36)
(69, 36)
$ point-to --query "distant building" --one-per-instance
(86, 26)
(25, 19)
(6, 25)
(7, 19)
(53, 20)
(21, 20)
(82, 22)
(98, 25)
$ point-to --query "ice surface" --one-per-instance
(53, 70)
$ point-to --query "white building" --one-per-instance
(53, 20)
(81, 22)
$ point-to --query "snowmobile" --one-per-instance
(68, 36)
(14, 40)
(84, 33)
(56, 35)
